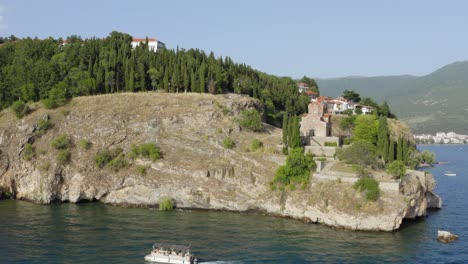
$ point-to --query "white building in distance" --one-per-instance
(153, 44)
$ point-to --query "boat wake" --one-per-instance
(221, 262)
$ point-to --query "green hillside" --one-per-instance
(430, 103)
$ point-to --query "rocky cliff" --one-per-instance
(195, 170)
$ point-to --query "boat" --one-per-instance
(449, 173)
(165, 253)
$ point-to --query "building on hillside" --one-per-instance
(311, 94)
(317, 123)
(316, 129)
(153, 44)
(302, 86)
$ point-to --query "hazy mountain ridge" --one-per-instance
(429, 103)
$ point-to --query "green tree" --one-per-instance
(391, 151)
(296, 170)
(351, 95)
(366, 128)
(362, 153)
(154, 77)
(251, 119)
(285, 129)
(397, 169)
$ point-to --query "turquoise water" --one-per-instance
(96, 233)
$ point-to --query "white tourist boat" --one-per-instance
(449, 173)
(164, 253)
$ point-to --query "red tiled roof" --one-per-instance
(143, 39)
(308, 92)
(303, 84)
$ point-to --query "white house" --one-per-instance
(153, 44)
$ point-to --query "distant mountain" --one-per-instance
(430, 103)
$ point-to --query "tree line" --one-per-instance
(35, 69)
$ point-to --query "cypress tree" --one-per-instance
(131, 81)
(166, 81)
(385, 149)
(391, 151)
(405, 151)
(295, 133)
(290, 130)
(285, 129)
(193, 82)
(400, 149)
(201, 78)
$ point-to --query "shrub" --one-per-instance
(43, 125)
(297, 168)
(397, 169)
(102, 158)
(141, 170)
(117, 163)
(330, 144)
(28, 152)
(166, 204)
(57, 97)
(149, 151)
(251, 119)
(20, 109)
(347, 141)
(63, 157)
(61, 142)
(255, 145)
(228, 143)
(84, 144)
(362, 153)
(368, 185)
(348, 112)
(44, 167)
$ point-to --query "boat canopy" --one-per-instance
(172, 247)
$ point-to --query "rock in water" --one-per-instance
(446, 237)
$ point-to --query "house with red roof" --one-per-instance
(153, 44)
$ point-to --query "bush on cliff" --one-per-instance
(228, 143)
(255, 145)
(61, 142)
(103, 157)
(397, 169)
(28, 152)
(362, 153)
(63, 157)
(251, 120)
(149, 151)
(20, 109)
(166, 204)
(368, 185)
(296, 170)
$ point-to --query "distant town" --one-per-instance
(441, 138)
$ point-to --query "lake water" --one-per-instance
(96, 233)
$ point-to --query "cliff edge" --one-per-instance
(195, 171)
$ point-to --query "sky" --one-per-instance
(286, 38)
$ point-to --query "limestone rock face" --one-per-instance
(195, 170)
(418, 191)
